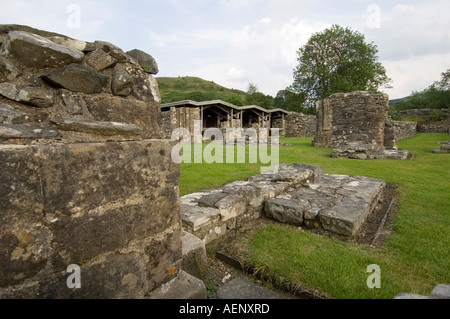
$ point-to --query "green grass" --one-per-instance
(414, 260)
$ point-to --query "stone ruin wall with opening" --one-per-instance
(86, 178)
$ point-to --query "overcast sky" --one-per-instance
(234, 42)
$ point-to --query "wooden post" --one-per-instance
(202, 119)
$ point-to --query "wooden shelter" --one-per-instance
(220, 114)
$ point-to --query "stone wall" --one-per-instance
(46, 80)
(86, 179)
(424, 114)
(404, 130)
(351, 117)
(300, 125)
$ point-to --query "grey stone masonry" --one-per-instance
(86, 179)
(301, 195)
(357, 126)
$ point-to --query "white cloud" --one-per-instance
(237, 5)
(415, 74)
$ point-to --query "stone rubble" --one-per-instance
(301, 195)
(444, 149)
(441, 291)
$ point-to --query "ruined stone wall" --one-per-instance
(300, 125)
(85, 178)
(404, 130)
(424, 114)
(351, 117)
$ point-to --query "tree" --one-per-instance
(252, 88)
(290, 101)
(337, 60)
(254, 97)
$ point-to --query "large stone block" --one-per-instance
(346, 217)
(284, 211)
(139, 168)
(131, 111)
(52, 217)
(95, 127)
(35, 51)
(77, 78)
(147, 62)
(34, 96)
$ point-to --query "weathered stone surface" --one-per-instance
(239, 288)
(113, 222)
(194, 255)
(147, 62)
(300, 125)
(35, 51)
(10, 115)
(409, 296)
(287, 173)
(34, 96)
(122, 83)
(73, 103)
(8, 71)
(357, 150)
(210, 200)
(284, 211)
(110, 207)
(316, 169)
(351, 117)
(184, 286)
(116, 109)
(198, 217)
(95, 127)
(105, 165)
(114, 51)
(27, 131)
(100, 60)
(77, 78)
(346, 217)
(74, 44)
(441, 292)
(231, 206)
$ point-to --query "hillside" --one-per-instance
(395, 101)
(197, 89)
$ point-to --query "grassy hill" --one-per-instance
(197, 89)
(395, 101)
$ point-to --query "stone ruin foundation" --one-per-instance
(357, 125)
(301, 195)
(86, 178)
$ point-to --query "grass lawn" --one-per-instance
(414, 260)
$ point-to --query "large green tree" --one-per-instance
(337, 60)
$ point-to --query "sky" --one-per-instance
(235, 42)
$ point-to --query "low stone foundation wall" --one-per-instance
(298, 195)
(424, 114)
